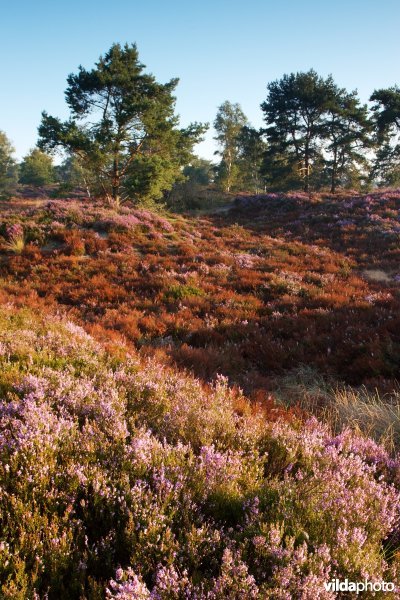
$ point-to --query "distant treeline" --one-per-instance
(123, 140)
(316, 136)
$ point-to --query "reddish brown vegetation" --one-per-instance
(248, 294)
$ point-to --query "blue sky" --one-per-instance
(220, 49)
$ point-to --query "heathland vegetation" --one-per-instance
(200, 404)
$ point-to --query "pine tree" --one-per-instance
(347, 131)
(123, 127)
(386, 116)
(293, 113)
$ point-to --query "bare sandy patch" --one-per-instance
(377, 275)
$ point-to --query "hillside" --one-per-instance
(275, 283)
(158, 378)
(119, 477)
(277, 292)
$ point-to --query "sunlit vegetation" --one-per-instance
(249, 294)
(121, 478)
(199, 390)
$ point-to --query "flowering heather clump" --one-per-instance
(103, 217)
(244, 261)
(345, 222)
(123, 479)
(379, 297)
(123, 222)
(127, 586)
(151, 219)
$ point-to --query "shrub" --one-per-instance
(121, 478)
(179, 292)
(15, 241)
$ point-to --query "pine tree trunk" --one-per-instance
(333, 182)
(306, 172)
(333, 179)
(116, 182)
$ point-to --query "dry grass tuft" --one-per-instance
(370, 412)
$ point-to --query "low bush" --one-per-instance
(121, 478)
